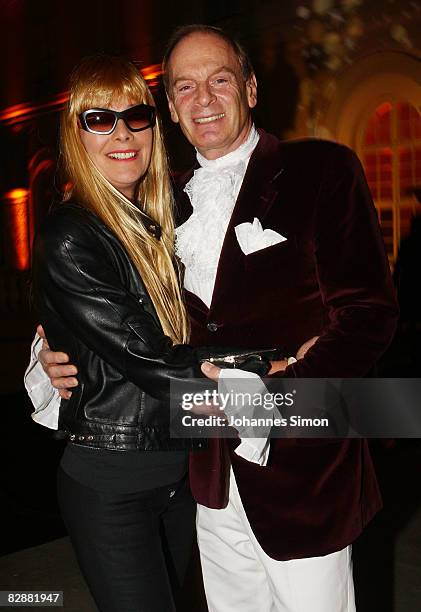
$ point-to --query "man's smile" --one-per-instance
(209, 119)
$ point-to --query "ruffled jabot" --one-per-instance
(213, 191)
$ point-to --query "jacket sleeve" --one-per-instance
(76, 282)
(353, 276)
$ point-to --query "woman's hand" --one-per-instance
(210, 371)
(207, 409)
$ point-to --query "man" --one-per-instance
(274, 537)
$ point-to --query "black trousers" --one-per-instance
(133, 549)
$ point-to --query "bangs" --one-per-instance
(104, 96)
(106, 83)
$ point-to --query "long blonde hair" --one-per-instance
(96, 82)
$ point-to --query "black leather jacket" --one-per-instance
(94, 306)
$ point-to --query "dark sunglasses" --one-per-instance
(104, 120)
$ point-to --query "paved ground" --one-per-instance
(394, 582)
(388, 555)
(53, 567)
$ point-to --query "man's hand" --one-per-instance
(304, 347)
(210, 370)
(280, 366)
(56, 366)
(277, 366)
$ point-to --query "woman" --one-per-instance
(108, 294)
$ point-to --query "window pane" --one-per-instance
(387, 231)
(386, 192)
(370, 134)
(417, 166)
(404, 130)
(383, 114)
(406, 160)
(393, 167)
(403, 109)
(406, 214)
(386, 215)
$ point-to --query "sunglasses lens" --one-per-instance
(139, 117)
(99, 121)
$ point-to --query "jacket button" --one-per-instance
(212, 327)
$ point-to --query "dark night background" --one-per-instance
(347, 70)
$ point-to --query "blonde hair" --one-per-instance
(96, 82)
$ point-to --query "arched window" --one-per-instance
(375, 111)
(391, 154)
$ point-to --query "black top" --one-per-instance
(123, 471)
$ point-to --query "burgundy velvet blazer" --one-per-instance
(330, 278)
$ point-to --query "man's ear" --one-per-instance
(251, 88)
(173, 112)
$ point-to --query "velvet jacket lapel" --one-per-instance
(258, 192)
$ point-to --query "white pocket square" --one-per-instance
(252, 237)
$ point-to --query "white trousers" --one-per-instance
(240, 577)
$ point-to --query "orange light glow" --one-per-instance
(151, 72)
(383, 109)
(17, 194)
(16, 225)
(25, 111)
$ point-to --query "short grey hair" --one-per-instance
(183, 31)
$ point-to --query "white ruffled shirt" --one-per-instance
(213, 191)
